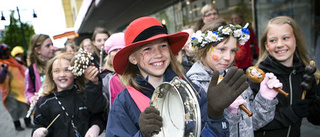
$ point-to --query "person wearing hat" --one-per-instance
(147, 60)
(17, 53)
(12, 87)
(111, 82)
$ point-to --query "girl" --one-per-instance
(113, 84)
(99, 37)
(66, 96)
(88, 45)
(71, 47)
(283, 53)
(147, 60)
(41, 50)
(219, 54)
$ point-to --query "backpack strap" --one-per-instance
(32, 76)
(140, 99)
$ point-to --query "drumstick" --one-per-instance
(53, 121)
(243, 107)
(312, 64)
(257, 75)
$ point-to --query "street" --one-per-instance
(7, 127)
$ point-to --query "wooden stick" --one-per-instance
(303, 94)
(281, 91)
(245, 109)
(53, 121)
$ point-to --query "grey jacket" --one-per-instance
(241, 125)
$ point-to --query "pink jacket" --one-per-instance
(30, 89)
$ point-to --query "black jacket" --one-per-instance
(81, 105)
(285, 120)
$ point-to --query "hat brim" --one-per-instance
(176, 42)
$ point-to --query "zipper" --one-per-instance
(290, 86)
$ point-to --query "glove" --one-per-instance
(269, 82)
(150, 121)
(300, 108)
(222, 95)
(40, 132)
(93, 131)
(233, 108)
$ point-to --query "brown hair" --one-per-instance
(132, 71)
(33, 56)
(99, 30)
(51, 86)
(300, 52)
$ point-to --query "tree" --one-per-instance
(13, 35)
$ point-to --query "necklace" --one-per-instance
(67, 114)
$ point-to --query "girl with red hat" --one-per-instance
(147, 60)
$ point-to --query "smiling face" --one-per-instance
(281, 43)
(62, 76)
(153, 58)
(221, 56)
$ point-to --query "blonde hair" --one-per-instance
(132, 71)
(108, 63)
(300, 52)
(95, 51)
(207, 8)
(33, 56)
(51, 86)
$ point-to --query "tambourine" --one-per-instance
(179, 108)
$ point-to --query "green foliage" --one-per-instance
(13, 34)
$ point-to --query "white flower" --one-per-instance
(237, 33)
(226, 31)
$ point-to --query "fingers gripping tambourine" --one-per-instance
(179, 109)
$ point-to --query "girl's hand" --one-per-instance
(93, 131)
(269, 82)
(234, 107)
(33, 99)
(40, 132)
(91, 73)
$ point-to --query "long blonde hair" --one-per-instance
(51, 86)
(95, 51)
(300, 52)
(33, 56)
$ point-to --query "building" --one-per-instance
(116, 15)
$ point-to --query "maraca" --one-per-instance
(308, 78)
(256, 75)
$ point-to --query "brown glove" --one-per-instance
(222, 95)
(150, 121)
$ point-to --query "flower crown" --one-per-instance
(200, 39)
(82, 61)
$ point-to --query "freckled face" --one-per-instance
(62, 76)
(221, 56)
(153, 58)
(281, 43)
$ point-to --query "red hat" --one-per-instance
(143, 31)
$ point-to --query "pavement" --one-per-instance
(7, 128)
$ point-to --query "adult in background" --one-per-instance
(245, 55)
